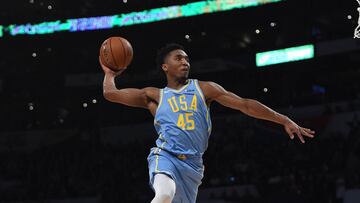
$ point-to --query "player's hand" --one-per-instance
(107, 70)
(293, 129)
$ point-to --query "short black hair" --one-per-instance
(164, 51)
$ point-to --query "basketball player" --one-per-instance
(182, 121)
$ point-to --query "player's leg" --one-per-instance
(164, 188)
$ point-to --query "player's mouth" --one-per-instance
(185, 68)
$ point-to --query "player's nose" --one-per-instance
(184, 62)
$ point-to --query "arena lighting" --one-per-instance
(133, 18)
(285, 55)
(31, 106)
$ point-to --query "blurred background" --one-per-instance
(61, 141)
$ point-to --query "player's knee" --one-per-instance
(165, 198)
(171, 193)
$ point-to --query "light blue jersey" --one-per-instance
(183, 123)
(182, 120)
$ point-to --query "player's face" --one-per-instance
(177, 64)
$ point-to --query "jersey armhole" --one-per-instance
(160, 100)
(200, 92)
(206, 106)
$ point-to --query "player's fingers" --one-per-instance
(307, 134)
(107, 69)
(288, 131)
(298, 133)
(309, 130)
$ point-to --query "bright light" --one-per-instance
(187, 36)
(94, 101)
(31, 106)
(132, 18)
(257, 31)
(265, 89)
(285, 55)
(34, 54)
(349, 17)
(49, 7)
(85, 105)
(272, 24)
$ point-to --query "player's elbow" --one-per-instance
(108, 95)
(253, 107)
(247, 105)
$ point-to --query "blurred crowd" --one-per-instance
(283, 170)
(239, 153)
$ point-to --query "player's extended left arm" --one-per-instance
(256, 109)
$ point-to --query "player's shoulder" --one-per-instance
(211, 89)
(207, 84)
(207, 88)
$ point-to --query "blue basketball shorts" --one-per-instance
(187, 172)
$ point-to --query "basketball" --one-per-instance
(116, 53)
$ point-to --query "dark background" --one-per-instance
(54, 148)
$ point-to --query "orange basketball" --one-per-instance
(116, 53)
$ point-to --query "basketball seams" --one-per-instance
(124, 51)
(112, 54)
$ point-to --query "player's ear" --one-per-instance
(164, 67)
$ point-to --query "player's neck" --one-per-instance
(177, 84)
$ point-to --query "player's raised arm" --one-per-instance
(143, 98)
(253, 108)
